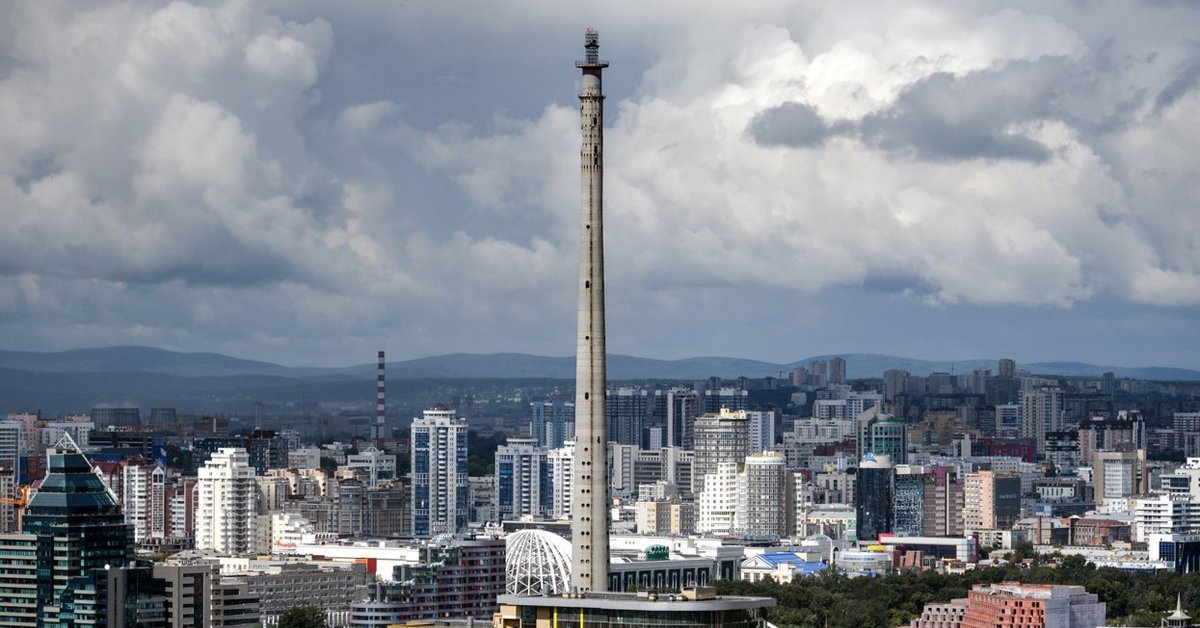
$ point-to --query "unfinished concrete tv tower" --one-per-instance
(589, 491)
(379, 430)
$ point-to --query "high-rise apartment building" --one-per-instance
(858, 402)
(978, 380)
(991, 500)
(351, 510)
(837, 371)
(143, 498)
(725, 397)
(273, 492)
(267, 449)
(626, 410)
(552, 423)
(1041, 411)
(49, 432)
(560, 461)
(439, 473)
(227, 502)
(722, 437)
(762, 430)
(717, 503)
(1003, 390)
(12, 447)
(943, 514)
(818, 373)
(8, 512)
(29, 422)
(682, 406)
(181, 511)
(895, 383)
(523, 480)
(763, 490)
(1007, 368)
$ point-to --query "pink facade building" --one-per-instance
(1016, 605)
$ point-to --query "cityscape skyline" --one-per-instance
(785, 180)
(1010, 177)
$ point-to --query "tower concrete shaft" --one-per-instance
(590, 505)
(380, 400)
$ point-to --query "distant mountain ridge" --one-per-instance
(519, 365)
(138, 358)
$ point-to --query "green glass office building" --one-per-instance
(72, 565)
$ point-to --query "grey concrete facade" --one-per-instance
(589, 529)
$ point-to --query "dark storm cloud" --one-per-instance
(945, 117)
(790, 124)
(948, 117)
(979, 114)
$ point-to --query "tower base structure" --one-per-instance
(689, 608)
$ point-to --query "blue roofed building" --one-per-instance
(782, 567)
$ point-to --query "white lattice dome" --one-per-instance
(537, 562)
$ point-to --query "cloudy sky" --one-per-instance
(307, 182)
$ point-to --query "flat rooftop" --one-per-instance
(634, 601)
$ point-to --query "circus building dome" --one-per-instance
(537, 563)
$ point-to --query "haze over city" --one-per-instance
(306, 182)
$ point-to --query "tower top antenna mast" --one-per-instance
(591, 51)
(591, 44)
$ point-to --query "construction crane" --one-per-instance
(21, 501)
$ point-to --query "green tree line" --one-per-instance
(838, 601)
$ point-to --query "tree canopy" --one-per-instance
(838, 601)
(302, 617)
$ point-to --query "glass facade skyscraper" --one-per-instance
(72, 564)
(875, 486)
